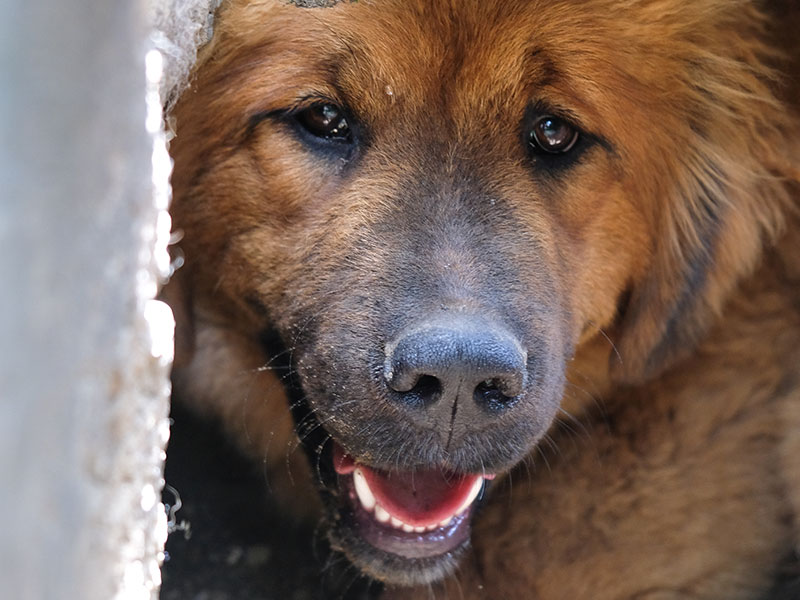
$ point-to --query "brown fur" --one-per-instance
(666, 263)
(685, 487)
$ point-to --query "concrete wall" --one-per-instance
(84, 350)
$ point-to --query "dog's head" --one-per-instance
(432, 206)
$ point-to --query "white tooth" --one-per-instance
(419, 529)
(473, 493)
(432, 527)
(408, 528)
(381, 514)
(476, 489)
(362, 490)
(397, 522)
(445, 522)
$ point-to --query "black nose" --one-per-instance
(456, 358)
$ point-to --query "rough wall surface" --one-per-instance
(83, 381)
(181, 26)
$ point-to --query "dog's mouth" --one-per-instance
(419, 514)
(404, 522)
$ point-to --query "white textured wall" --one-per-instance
(83, 399)
(180, 27)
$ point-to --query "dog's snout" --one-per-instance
(454, 359)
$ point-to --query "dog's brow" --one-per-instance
(539, 63)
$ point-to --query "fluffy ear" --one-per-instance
(687, 286)
(178, 295)
(732, 179)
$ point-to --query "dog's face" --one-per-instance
(432, 206)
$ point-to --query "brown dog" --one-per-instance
(464, 233)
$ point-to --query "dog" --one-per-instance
(522, 278)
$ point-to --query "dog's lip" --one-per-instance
(419, 514)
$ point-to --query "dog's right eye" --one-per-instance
(552, 135)
(326, 121)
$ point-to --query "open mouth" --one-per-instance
(403, 524)
(420, 514)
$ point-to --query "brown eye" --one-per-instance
(552, 135)
(325, 121)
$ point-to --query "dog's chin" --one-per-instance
(403, 528)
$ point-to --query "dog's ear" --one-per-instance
(695, 270)
(178, 295)
(732, 181)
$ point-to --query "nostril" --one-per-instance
(427, 390)
(490, 393)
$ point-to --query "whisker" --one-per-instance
(544, 457)
(267, 365)
(608, 339)
(318, 452)
(551, 443)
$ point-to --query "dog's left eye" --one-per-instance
(325, 121)
(552, 135)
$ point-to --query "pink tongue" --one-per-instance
(419, 498)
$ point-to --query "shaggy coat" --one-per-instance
(649, 271)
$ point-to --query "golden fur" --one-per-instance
(672, 469)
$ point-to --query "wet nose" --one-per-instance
(454, 359)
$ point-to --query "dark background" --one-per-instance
(241, 547)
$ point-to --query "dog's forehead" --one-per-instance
(444, 67)
(412, 51)
(461, 57)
